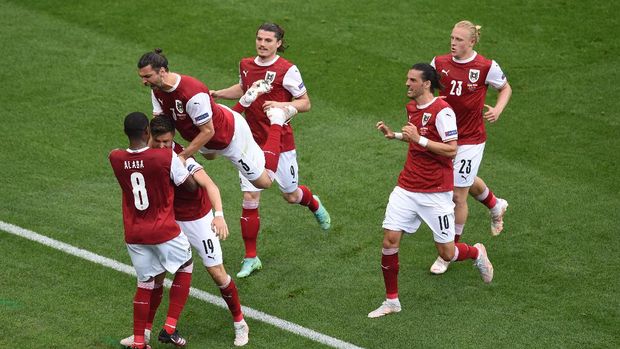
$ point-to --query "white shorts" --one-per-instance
(406, 210)
(287, 174)
(204, 240)
(152, 260)
(466, 164)
(243, 151)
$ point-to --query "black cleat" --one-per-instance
(174, 338)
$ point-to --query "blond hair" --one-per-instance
(474, 30)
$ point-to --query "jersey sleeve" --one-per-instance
(156, 106)
(293, 82)
(199, 108)
(446, 125)
(178, 172)
(496, 76)
(192, 166)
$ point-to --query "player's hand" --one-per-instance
(214, 94)
(183, 158)
(387, 132)
(219, 227)
(491, 114)
(274, 104)
(410, 133)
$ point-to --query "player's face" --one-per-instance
(415, 84)
(162, 141)
(151, 77)
(461, 43)
(267, 44)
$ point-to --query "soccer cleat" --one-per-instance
(128, 342)
(242, 332)
(497, 216)
(174, 338)
(321, 215)
(389, 306)
(248, 265)
(483, 263)
(440, 266)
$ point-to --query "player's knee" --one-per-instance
(291, 198)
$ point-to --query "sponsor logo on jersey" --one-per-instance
(160, 101)
(425, 118)
(202, 117)
(179, 105)
(443, 71)
(245, 73)
(270, 77)
(474, 75)
(451, 133)
(301, 85)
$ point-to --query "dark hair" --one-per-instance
(429, 74)
(135, 125)
(161, 125)
(277, 30)
(155, 59)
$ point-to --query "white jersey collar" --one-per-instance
(137, 150)
(463, 61)
(176, 83)
(265, 64)
(423, 106)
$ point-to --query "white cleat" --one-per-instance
(242, 332)
(389, 306)
(128, 342)
(484, 264)
(440, 266)
(497, 216)
(277, 116)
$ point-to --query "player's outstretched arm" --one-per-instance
(387, 131)
(218, 225)
(205, 135)
(233, 92)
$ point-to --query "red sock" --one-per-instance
(250, 225)
(457, 238)
(231, 297)
(140, 313)
(238, 108)
(389, 266)
(178, 296)
(489, 201)
(156, 297)
(271, 149)
(307, 199)
(466, 252)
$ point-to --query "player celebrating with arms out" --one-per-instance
(424, 189)
(285, 89)
(466, 75)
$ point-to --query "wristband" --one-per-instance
(290, 111)
(218, 214)
(398, 135)
(423, 141)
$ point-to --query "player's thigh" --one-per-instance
(287, 174)
(244, 152)
(145, 261)
(401, 212)
(437, 211)
(203, 239)
(174, 253)
(466, 164)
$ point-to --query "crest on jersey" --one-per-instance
(474, 75)
(179, 106)
(425, 118)
(270, 76)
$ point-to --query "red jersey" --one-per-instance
(148, 193)
(425, 171)
(286, 84)
(190, 105)
(188, 205)
(465, 87)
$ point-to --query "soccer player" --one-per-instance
(424, 189)
(466, 75)
(154, 240)
(211, 128)
(203, 227)
(285, 90)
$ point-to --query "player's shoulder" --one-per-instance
(411, 106)
(283, 63)
(482, 60)
(177, 147)
(247, 61)
(442, 59)
(190, 83)
(441, 104)
(116, 153)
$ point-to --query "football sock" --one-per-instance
(487, 198)
(389, 266)
(231, 297)
(465, 251)
(250, 225)
(156, 297)
(307, 199)
(178, 296)
(271, 149)
(458, 231)
(238, 108)
(140, 312)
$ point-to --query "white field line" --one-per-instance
(194, 292)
